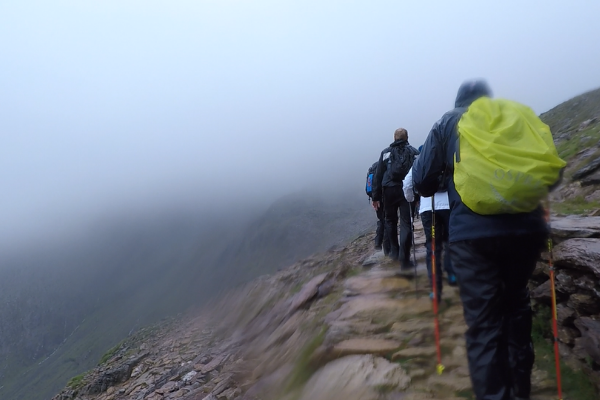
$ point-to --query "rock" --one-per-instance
(325, 288)
(412, 352)
(587, 170)
(575, 227)
(586, 124)
(564, 283)
(413, 325)
(542, 293)
(380, 308)
(114, 376)
(376, 282)
(541, 272)
(215, 363)
(578, 253)
(222, 386)
(590, 337)
(587, 284)
(595, 196)
(308, 292)
(568, 335)
(373, 259)
(583, 303)
(592, 179)
(365, 346)
(358, 377)
(564, 315)
(449, 381)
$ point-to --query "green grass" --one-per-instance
(466, 394)
(575, 384)
(578, 141)
(76, 382)
(303, 369)
(577, 205)
(108, 355)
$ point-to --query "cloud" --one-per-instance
(112, 105)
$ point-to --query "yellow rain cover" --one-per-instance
(505, 159)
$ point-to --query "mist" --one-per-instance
(117, 108)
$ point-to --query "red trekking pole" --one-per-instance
(554, 314)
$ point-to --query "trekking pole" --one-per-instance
(412, 230)
(554, 312)
(439, 367)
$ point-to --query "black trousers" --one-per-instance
(493, 274)
(394, 201)
(442, 227)
(381, 236)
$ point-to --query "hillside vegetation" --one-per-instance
(575, 125)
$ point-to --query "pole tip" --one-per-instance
(440, 369)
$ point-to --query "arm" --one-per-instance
(407, 187)
(429, 167)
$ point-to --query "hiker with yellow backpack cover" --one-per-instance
(497, 160)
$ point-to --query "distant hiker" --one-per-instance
(394, 163)
(442, 218)
(498, 160)
(381, 237)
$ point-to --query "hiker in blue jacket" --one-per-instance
(493, 257)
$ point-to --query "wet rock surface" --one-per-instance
(334, 326)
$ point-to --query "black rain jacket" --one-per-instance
(382, 178)
(435, 167)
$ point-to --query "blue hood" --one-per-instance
(470, 91)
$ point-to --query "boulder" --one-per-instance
(542, 293)
(565, 315)
(590, 337)
(568, 335)
(575, 227)
(587, 170)
(357, 377)
(584, 304)
(580, 253)
(365, 346)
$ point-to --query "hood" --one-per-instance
(399, 142)
(470, 91)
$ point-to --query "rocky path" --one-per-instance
(341, 325)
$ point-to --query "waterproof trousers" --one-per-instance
(442, 226)
(493, 274)
(381, 237)
(394, 201)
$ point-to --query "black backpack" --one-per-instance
(400, 162)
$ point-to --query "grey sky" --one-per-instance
(110, 104)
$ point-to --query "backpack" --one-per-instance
(370, 177)
(505, 158)
(400, 162)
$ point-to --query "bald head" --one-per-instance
(401, 133)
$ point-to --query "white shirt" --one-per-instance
(440, 198)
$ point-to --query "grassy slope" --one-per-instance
(578, 146)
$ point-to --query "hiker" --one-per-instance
(394, 163)
(496, 239)
(442, 218)
(381, 237)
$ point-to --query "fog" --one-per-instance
(110, 107)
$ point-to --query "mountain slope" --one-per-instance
(575, 125)
(62, 308)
